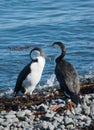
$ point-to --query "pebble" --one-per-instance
(86, 110)
(42, 107)
(82, 115)
(20, 113)
(68, 121)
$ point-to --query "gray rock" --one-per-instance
(5, 124)
(88, 121)
(87, 99)
(86, 110)
(50, 126)
(27, 112)
(2, 120)
(10, 116)
(42, 107)
(70, 126)
(62, 127)
(58, 128)
(55, 123)
(3, 112)
(20, 113)
(78, 109)
(80, 117)
(59, 119)
(15, 120)
(92, 108)
(44, 125)
(1, 127)
(49, 114)
(12, 113)
(68, 121)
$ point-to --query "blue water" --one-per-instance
(40, 23)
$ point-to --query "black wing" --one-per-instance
(21, 77)
(67, 77)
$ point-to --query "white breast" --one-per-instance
(33, 78)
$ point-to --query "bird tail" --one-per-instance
(75, 98)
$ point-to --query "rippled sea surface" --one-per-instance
(40, 23)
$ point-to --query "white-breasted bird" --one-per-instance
(31, 74)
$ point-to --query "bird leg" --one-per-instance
(70, 105)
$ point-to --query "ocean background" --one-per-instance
(26, 24)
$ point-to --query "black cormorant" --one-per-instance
(67, 76)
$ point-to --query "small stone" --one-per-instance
(12, 113)
(68, 112)
(86, 110)
(2, 120)
(58, 129)
(68, 121)
(55, 123)
(78, 109)
(27, 112)
(88, 122)
(44, 125)
(80, 117)
(10, 116)
(5, 124)
(62, 127)
(20, 113)
(87, 99)
(3, 112)
(70, 126)
(42, 107)
(49, 115)
(50, 126)
(92, 108)
(1, 128)
(59, 119)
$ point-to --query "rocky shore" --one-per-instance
(34, 112)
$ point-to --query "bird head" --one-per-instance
(36, 52)
(62, 48)
(61, 45)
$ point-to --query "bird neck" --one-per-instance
(58, 59)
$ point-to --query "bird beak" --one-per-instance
(51, 45)
(50, 57)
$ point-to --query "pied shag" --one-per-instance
(30, 76)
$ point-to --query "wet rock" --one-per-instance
(55, 123)
(44, 125)
(42, 107)
(49, 115)
(62, 127)
(10, 116)
(2, 120)
(92, 108)
(50, 126)
(70, 126)
(86, 109)
(80, 117)
(59, 119)
(20, 114)
(78, 109)
(68, 121)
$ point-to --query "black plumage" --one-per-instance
(67, 76)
